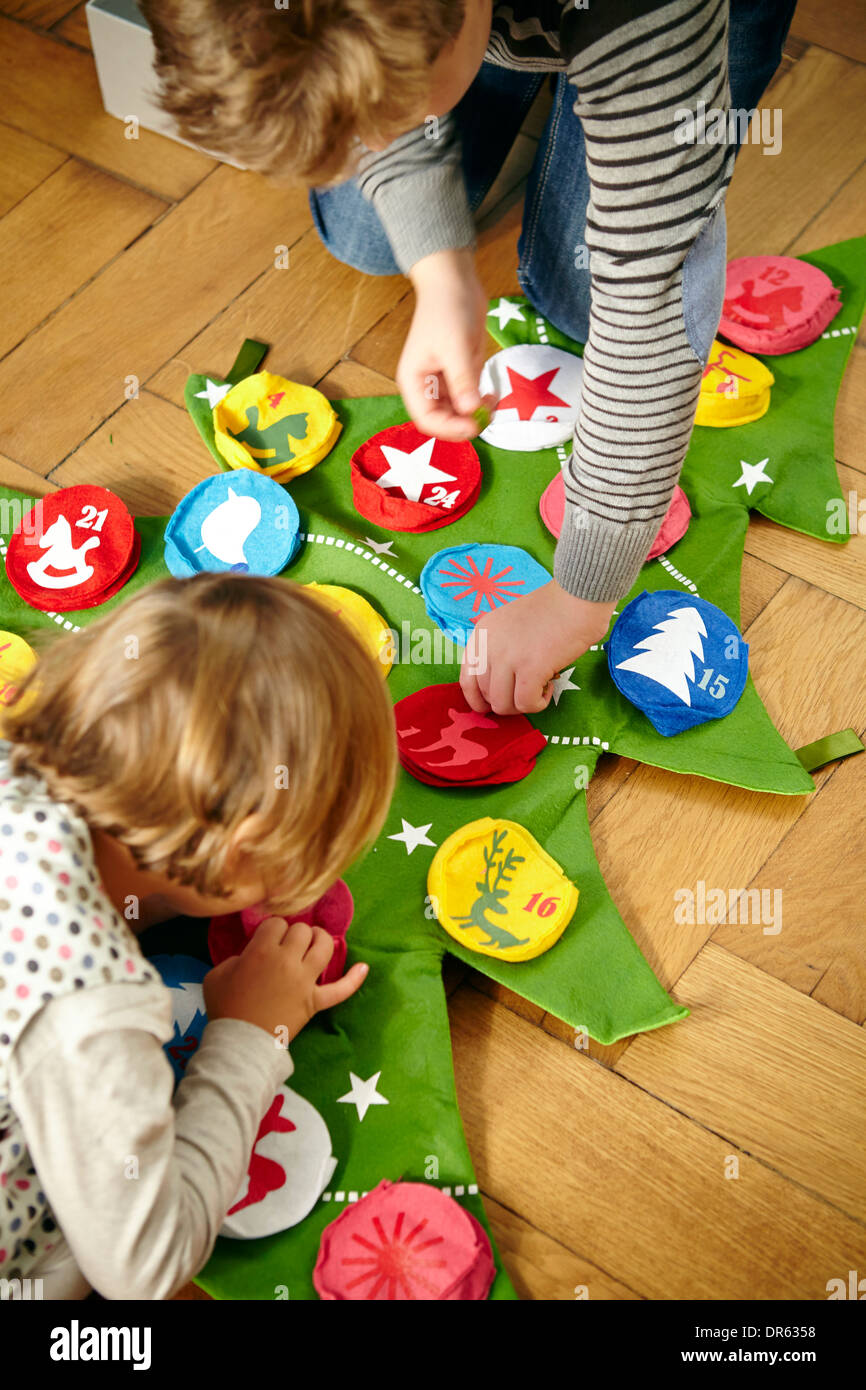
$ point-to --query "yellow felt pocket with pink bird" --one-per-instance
(735, 388)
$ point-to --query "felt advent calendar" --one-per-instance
(486, 851)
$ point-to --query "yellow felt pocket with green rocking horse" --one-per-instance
(275, 426)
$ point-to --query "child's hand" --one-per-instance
(444, 350)
(514, 653)
(272, 983)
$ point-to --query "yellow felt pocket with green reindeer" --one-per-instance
(496, 891)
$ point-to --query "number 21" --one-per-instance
(91, 519)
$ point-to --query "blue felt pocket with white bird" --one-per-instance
(239, 521)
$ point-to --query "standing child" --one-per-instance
(214, 743)
(623, 239)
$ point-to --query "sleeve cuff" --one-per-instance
(424, 212)
(600, 560)
(237, 1038)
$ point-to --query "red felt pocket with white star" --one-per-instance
(76, 549)
(403, 480)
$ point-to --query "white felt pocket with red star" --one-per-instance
(538, 390)
(75, 549)
(403, 480)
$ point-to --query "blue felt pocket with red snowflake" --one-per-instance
(679, 658)
(464, 582)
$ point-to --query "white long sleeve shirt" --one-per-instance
(96, 1151)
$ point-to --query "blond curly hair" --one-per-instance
(211, 723)
(290, 90)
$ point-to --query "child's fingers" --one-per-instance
(500, 692)
(461, 378)
(320, 950)
(471, 688)
(434, 414)
(473, 676)
(274, 932)
(532, 692)
(268, 933)
(329, 995)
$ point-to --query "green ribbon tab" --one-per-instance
(247, 361)
(828, 749)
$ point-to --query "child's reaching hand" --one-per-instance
(272, 983)
(514, 653)
(444, 350)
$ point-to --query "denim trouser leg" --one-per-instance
(557, 194)
(489, 117)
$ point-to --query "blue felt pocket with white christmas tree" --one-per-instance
(678, 658)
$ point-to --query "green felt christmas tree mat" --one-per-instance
(594, 978)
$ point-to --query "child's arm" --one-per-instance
(417, 187)
(655, 219)
(139, 1183)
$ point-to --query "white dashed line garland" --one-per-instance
(578, 741)
(675, 574)
(376, 560)
(469, 1189)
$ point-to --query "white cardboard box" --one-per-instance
(124, 54)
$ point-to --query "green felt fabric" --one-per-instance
(594, 978)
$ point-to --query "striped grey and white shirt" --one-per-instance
(634, 64)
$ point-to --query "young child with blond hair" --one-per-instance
(214, 743)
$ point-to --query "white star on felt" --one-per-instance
(380, 547)
(411, 470)
(505, 311)
(413, 835)
(562, 683)
(753, 473)
(187, 1000)
(212, 393)
(363, 1094)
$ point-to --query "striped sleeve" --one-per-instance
(650, 198)
(417, 187)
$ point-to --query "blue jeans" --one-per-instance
(490, 115)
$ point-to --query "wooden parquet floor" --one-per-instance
(611, 1171)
